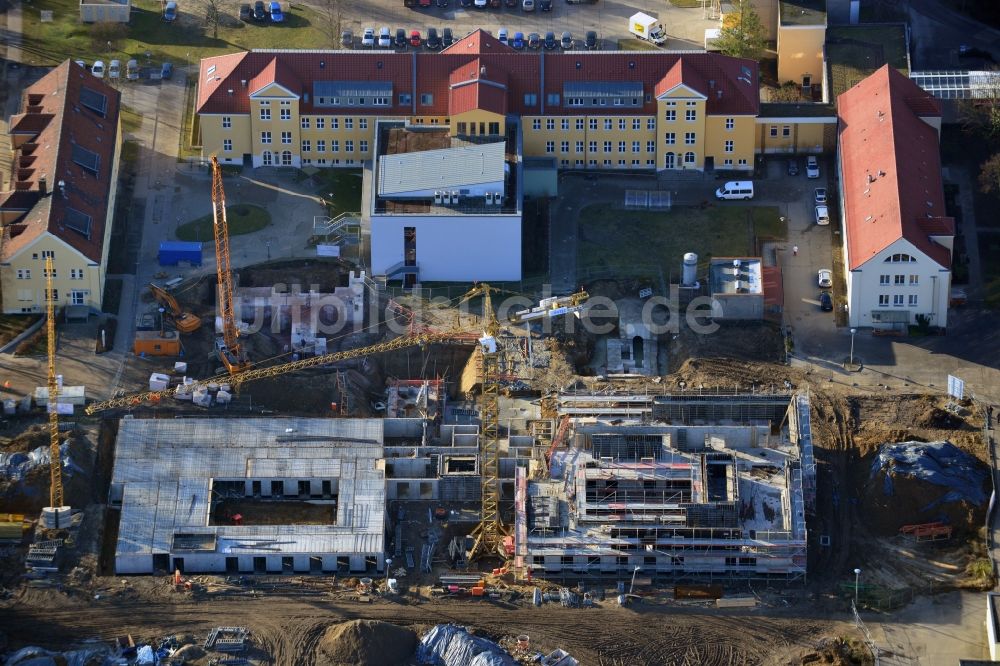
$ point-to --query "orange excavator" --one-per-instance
(185, 322)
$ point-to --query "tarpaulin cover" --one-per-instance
(35, 656)
(939, 463)
(15, 466)
(145, 655)
(450, 645)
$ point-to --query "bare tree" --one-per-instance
(980, 115)
(212, 16)
(333, 20)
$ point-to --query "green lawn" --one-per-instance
(184, 41)
(242, 219)
(633, 44)
(12, 326)
(341, 188)
(687, 4)
(642, 243)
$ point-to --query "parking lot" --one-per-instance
(685, 27)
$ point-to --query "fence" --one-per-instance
(863, 628)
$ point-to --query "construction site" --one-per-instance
(314, 475)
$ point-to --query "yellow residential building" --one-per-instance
(801, 36)
(61, 203)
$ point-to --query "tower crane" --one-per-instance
(230, 349)
(55, 457)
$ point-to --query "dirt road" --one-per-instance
(288, 629)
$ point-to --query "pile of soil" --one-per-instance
(29, 440)
(29, 494)
(367, 642)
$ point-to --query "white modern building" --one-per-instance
(249, 495)
(444, 208)
(898, 239)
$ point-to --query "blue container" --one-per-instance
(174, 252)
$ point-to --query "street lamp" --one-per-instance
(857, 576)
(632, 585)
(853, 331)
(388, 563)
(268, 244)
(162, 311)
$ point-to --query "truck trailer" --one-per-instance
(644, 26)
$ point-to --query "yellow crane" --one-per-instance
(55, 457)
(230, 349)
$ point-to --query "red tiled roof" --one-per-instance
(890, 169)
(473, 86)
(774, 290)
(50, 155)
(420, 73)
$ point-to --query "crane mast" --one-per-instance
(230, 350)
(55, 458)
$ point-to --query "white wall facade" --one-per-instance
(865, 287)
(453, 248)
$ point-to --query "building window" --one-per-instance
(591, 162)
(773, 130)
(636, 124)
(883, 280)
(912, 301)
(77, 296)
(227, 145)
(76, 274)
(690, 114)
(362, 123)
(608, 124)
(670, 116)
(607, 146)
(593, 123)
(897, 300)
(900, 259)
(621, 124)
(883, 299)
(335, 123)
(691, 103)
(286, 113)
(565, 124)
(607, 163)
(304, 123)
(227, 122)
(550, 124)
(334, 146)
(550, 146)
(786, 130)
(689, 138)
(914, 280)
(730, 123)
(727, 162)
(286, 158)
(348, 146)
(405, 99)
(363, 145)
(23, 273)
(265, 137)
(266, 158)
(729, 147)
(742, 162)
(426, 99)
(899, 279)
(579, 146)
(286, 137)
(688, 158)
(650, 146)
(536, 124)
(321, 145)
(55, 294)
(671, 138)
(265, 111)
(348, 123)
(651, 124)
(593, 146)
(564, 146)
(47, 273)
(670, 104)
(636, 146)
(579, 123)
(621, 146)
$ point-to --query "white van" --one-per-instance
(735, 189)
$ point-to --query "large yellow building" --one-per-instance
(599, 110)
(61, 200)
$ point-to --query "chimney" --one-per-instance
(43, 186)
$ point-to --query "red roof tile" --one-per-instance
(774, 290)
(890, 169)
(474, 86)
(729, 83)
(72, 125)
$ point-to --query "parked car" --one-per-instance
(400, 41)
(447, 38)
(581, 2)
(81, 63)
(275, 11)
(822, 216)
(384, 37)
(518, 41)
(511, 3)
(495, 4)
(115, 69)
(825, 301)
(793, 167)
(824, 277)
(347, 39)
(425, 3)
(812, 167)
(528, 5)
(246, 12)
(433, 42)
(368, 38)
(550, 42)
(590, 41)
(481, 4)
(98, 69)
(441, 3)
(170, 11)
(259, 11)
(567, 41)
(545, 5)
(415, 38)
(166, 71)
(820, 195)
(132, 70)
(502, 35)
(534, 41)
(466, 3)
